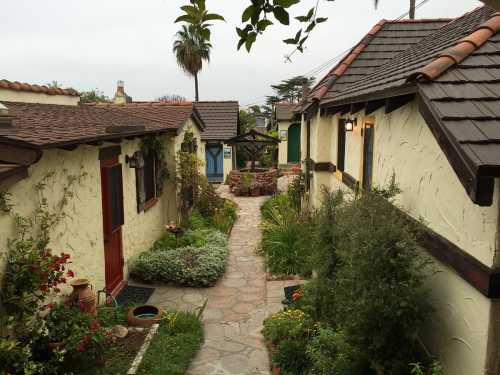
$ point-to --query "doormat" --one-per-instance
(134, 295)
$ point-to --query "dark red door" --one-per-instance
(112, 212)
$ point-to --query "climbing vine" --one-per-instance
(5, 205)
(155, 145)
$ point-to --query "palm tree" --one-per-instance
(191, 50)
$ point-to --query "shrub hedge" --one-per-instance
(199, 261)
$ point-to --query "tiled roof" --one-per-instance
(170, 115)
(50, 125)
(382, 43)
(19, 86)
(220, 118)
(285, 111)
(395, 73)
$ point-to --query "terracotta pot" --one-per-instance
(144, 315)
(276, 370)
(84, 296)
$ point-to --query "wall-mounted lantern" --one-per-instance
(350, 124)
(135, 161)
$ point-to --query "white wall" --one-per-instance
(283, 145)
(462, 330)
(33, 97)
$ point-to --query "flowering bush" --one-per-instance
(287, 324)
(31, 275)
(78, 333)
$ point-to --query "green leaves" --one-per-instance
(281, 15)
(198, 16)
(286, 3)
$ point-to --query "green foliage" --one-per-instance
(225, 217)
(188, 265)
(93, 96)
(155, 145)
(286, 236)
(435, 368)
(296, 191)
(5, 205)
(331, 354)
(208, 201)
(291, 90)
(290, 331)
(178, 339)
(197, 16)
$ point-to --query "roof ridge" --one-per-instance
(22, 86)
(421, 20)
(339, 69)
(458, 53)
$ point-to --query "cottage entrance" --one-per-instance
(367, 156)
(294, 143)
(113, 219)
(215, 162)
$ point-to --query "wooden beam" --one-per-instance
(324, 167)
(350, 181)
(356, 107)
(106, 153)
(96, 143)
(397, 102)
(373, 106)
(11, 175)
(345, 109)
(18, 155)
(68, 147)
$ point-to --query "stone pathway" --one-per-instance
(237, 305)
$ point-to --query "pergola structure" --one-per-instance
(254, 143)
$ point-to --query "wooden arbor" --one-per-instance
(254, 143)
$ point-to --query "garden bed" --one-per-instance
(247, 182)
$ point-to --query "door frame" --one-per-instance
(298, 136)
(367, 122)
(220, 154)
(107, 163)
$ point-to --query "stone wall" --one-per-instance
(243, 182)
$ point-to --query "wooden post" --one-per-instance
(412, 9)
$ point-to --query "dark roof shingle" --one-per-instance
(220, 118)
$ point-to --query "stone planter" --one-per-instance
(259, 182)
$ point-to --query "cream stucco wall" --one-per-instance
(33, 97)
(81, 232)
(283, 145)
(462, 331)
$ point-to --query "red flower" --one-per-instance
(80, 348)
(49, 306)
(70, 273)
(62, 280)
(44, 288)
(94, 325)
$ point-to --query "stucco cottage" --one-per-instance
(219, 117)
(117, 209)
(288, 126)
(420, 100)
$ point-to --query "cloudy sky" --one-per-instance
(88, 44)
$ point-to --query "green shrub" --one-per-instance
(225, 217)
(330, 354)
(380, 300)
(276, 202)
(188, 265)
(285, 241)
(208, 201)
(290, 331)
(196, 221)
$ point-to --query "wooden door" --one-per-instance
(367, 156)
(215, 163)
(113, 219)
(293, 143)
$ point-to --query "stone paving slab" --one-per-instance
(237, 304)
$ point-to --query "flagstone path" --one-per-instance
(237, 304)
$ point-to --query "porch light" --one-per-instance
(135, 161)
(350, 124)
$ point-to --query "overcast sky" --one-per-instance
(88, 44)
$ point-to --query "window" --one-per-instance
(341, 146)
(146, 183)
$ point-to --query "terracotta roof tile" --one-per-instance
(19, 86)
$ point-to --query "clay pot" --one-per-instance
(84, 296)
(144, 315)
(276, 370)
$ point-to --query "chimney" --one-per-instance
(120, 96)
(5, 118)
(305, 91)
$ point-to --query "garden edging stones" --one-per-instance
(138, 358)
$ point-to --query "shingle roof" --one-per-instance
(20, 86)
(394, 74)
(220, 118)
(384, 41)
(285, 111)
(170, 115)
(50, 125)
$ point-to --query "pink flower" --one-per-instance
(70, 273)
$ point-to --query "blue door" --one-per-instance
(215, 162)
